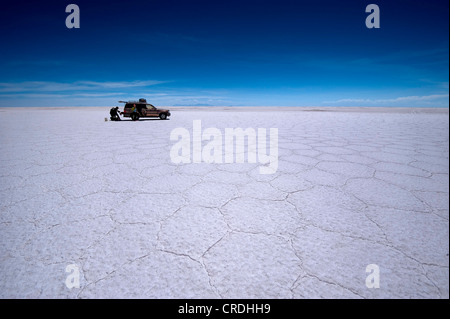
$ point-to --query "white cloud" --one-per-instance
(57, 95)
(46, 86)
(89, 93)
(115, 85)
(393, 101)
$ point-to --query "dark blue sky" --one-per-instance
(288, 53)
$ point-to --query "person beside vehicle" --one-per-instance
(114, 112)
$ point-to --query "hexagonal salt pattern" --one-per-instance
(351, 189)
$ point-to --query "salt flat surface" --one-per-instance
(351, 189)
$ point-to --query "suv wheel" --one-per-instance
(135, 116)
(163, 116)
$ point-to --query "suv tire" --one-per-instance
(163, 116)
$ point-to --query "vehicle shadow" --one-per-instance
(140, 120)
(155, 119)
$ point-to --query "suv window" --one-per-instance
(138, 105)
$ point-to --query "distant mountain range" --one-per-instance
(198, 104)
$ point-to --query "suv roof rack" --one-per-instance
(141, 102)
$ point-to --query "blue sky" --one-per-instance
(238, 53)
